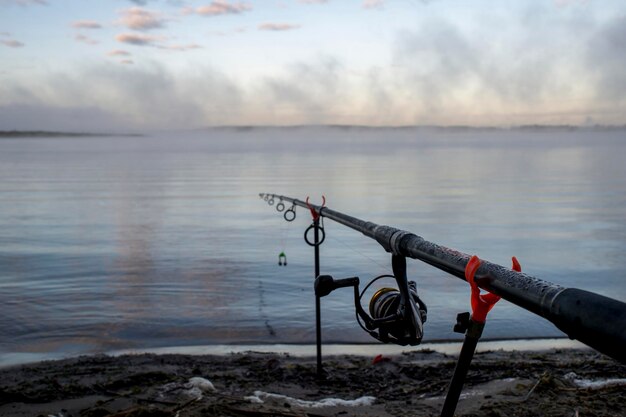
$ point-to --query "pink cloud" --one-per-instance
(127, 62)
(141, 19)
(85, 39)
(278, 26)
(219, 7)
(181, 47)
(139, 39)
(118, 52)
(86, 24)
(373, 4)
(12, 43)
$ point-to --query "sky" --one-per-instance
(184, 64)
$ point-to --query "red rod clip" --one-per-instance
(314, 213)
(482, 304)
(516, 266)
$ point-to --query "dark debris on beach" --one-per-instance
(414, 384)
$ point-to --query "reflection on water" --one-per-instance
(115, 243)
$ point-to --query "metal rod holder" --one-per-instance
(473, 332)
(318, 316)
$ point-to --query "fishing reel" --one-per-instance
(396, 315)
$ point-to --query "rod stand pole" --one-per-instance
(318, 318)
(472, 335)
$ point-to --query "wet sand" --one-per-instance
(548, 383)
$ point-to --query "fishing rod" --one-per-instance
(593, 319)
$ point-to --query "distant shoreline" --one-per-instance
(51, 134)
(245, 128)
(451, 128)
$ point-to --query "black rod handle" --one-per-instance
(595, 320)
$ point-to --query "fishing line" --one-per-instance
(383, 267)
(262, 313)
(282, 257)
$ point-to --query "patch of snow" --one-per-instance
(471, 393)
(588, 383)
(194, 388)
(253, 399)
(260, 397)
(202, 384)
(198, 386)
(194, 392)
(480, 390)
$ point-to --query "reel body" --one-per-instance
(396, 315)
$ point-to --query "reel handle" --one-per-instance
(325, 284)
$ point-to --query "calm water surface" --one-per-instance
(142, 242)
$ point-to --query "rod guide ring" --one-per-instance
(306, 233)
(290, 217)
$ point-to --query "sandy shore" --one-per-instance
(550, 383)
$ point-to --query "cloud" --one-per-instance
(86, 24)
(606, 56)
(119, 52)
(181, 48)
(120, 97)
(139, 39)
(525, 68)
(137, 18)
(278, 26)
(544, 68)
(160, 42)
(219, 7)
(308, 92)
(373, 4)
(443, 67)
(127, 62)
(12, 43)
(313, 1)
(85, 39)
